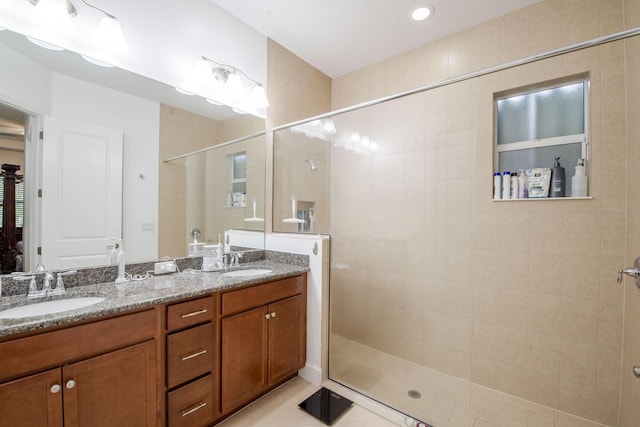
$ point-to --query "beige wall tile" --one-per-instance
(534, 304)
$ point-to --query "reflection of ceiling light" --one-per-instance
(97, 62)
(45, 45)
(422, 12)
(211, 101)
(320, 129)
(182, 91)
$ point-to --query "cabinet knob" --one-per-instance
(273, 314)
(70, 384)
(267, 316)
(55, 388)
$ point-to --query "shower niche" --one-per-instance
(305, 210)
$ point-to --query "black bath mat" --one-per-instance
(326, 405)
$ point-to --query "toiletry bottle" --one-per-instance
(579, 181)
(557, 180)
(506, 185)
(497, 186)
(522, 184)
(514, 186)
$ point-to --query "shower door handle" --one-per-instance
(633, 272)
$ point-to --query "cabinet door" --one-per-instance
(115, 389)
(244, 357)
(34, 401)
(287, 338)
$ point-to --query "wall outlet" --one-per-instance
(165, 267)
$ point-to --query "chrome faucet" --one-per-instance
(234, 259)
(47, 288)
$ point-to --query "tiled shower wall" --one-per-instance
(517, 296)
(629, 408)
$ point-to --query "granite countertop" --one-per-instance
(139, 294)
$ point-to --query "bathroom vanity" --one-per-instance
(179, 350)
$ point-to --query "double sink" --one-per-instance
(74, 303)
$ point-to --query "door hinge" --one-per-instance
(41, 134)
(40, 192)
(39, 250)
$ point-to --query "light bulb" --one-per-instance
(259, 98)
(108, 36)
(234, 84)
(52, 16)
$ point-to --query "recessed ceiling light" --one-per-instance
(422, 12)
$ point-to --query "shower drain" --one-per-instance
(414, 394)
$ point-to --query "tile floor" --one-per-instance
(280, 409)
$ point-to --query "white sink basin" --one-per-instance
(247, 273)
(49, 307)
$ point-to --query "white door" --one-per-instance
(81, 193)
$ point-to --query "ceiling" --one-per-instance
(335, 36)
(340, 36)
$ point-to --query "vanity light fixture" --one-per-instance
(422, 12)
(108, 36)
(230, 78)
(55, 17)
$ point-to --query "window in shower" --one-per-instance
(237, 196)
(533, 126)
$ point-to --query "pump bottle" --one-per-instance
(557, 180)
(579, 181)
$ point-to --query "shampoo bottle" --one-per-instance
(579, 181)
(557, 180)
(506, 185)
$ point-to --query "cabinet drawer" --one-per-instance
(191, 405)
(184, 314)
(56, 348)
(189, 354)
(256, 296)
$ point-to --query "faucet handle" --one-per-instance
(33, 287)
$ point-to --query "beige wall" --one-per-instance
(629, 408)
(296, 90)
(182, 132)
(516, 296)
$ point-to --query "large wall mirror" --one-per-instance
(83, 104)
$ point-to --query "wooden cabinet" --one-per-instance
(118, 387)
(263, 339)
(190, 363)
(33, 401)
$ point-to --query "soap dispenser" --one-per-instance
(557, 180)
(579, 181)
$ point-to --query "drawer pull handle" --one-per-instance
(192, 355)
(194, 409)
(194, 313)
